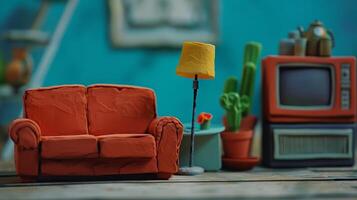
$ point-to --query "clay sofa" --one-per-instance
(100, 130)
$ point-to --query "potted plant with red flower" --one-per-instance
(204, 119)
(239, 125)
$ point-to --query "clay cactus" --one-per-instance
(252, 52)
(238, 104)
(233, 104)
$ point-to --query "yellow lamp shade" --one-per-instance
(196, 59)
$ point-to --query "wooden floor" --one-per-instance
(262, 183)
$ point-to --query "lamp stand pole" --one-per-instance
(192, 145)
(192, 170)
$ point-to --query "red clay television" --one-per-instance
(309, 89)
(309, 103)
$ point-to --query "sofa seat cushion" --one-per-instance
(127, 146)
(69, 147)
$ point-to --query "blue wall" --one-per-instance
(86, 57)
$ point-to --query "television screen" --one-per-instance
(304, 86)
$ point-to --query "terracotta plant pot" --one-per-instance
(205, 125)
(236, 144)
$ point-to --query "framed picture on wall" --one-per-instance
(162, 23)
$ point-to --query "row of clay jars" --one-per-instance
(303, 47)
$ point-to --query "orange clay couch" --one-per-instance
(99, 130)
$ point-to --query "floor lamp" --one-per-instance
(196, 62)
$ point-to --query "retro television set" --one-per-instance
(309, 111)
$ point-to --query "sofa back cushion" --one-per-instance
(59, 110)
(115, 109)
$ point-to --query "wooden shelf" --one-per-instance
(27, 37)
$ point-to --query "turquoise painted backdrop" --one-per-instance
(86, 57)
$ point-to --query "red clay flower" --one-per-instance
(203, 117)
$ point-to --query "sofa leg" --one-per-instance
(164, 176)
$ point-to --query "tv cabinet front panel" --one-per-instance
(308, 145)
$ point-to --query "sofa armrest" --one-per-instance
(25, 133)
(168, 133)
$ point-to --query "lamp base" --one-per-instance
(190, 171)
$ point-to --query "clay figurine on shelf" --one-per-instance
(239, 125)
(100, 130)
(19, 69)
(204, 119)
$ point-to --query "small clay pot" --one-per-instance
(237, 144)
(205, 125)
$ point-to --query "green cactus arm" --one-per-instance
(247, 86)
(231, 85)
(251, 56)
(248, 78)
(224, 101)
(245, 103)
(252, 52)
